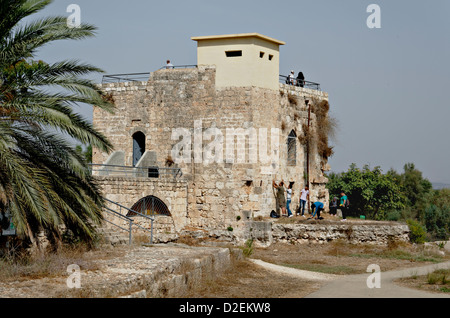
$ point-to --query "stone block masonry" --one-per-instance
(379, 233)
(128, 191)
(216, 193)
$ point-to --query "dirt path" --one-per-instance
(355, 286)
(307, 275)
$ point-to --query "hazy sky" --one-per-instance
(387, 87)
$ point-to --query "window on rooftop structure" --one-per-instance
(261, 54)
(233, 53)
(270, 57)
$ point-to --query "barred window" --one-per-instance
(292, 149)
(150, 205)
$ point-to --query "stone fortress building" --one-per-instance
(210, 138)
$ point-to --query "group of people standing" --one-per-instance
(299, 81)
(342, 204)
(283, 202)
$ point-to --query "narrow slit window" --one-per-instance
(292, 149)
(233, 53)
(270, 57)
(261, 54)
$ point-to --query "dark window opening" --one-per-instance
(270, 57)
(233, 53)
(153, 172)
(261, 54)
(138, 147)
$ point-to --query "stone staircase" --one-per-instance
(112, 236)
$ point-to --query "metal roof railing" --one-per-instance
(120, 78)
(138, 77)
(299, 83)
(165, 67)
(134, 172)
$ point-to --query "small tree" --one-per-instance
(370, 191)
(417, 232)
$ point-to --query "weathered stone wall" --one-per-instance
(372, 233)
(217, 193)
(128, 191)
(264, 233)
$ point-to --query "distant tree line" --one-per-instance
(393, 196)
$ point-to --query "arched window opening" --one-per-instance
(292, 149)
(138, 147)
(151, 206)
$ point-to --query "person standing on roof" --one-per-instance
(300, 79)
(169, 65)
(291, 78)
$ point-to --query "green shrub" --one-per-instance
(417, 232)
(433, 278)
(393, 216)
(248, 249)
(230, 229)
(439, 276)
(437, 221)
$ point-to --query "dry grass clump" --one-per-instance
(24, 266)
(292, 100)
(304, 137)
(326, 127)
(189, 240)
(323, 148)
(140, 238)
(108, 97)
(169, 161)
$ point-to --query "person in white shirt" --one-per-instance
(304, 196)
(288, 199)
(169, 65)
(291, 78)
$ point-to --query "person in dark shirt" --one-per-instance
(300, 79)
(333, 206)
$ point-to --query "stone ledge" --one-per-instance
(357, 232)
(143, 179)
(153, 271)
